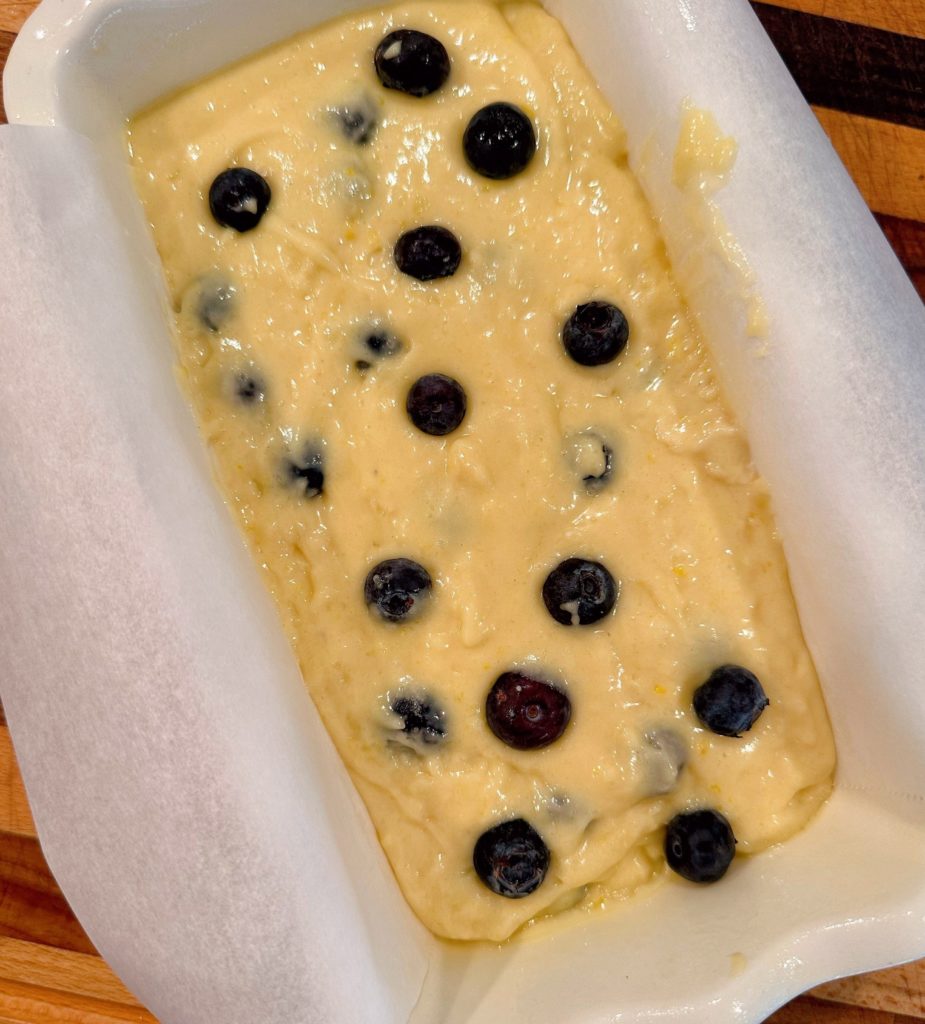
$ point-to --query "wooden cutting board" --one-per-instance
(861, 63)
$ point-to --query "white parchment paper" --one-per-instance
(192, 807)
(186, 795)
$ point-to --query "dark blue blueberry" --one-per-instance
(307, 472)
(216, 303)
(699, 845)
(579, 592)
(511, 859)
(591, 457)
(424, 721)
(397, 589)
(250, 389)
(436, 404)
(730, 701)
(596, 333)
(499, 141)
(526, 713)
(428, 253)
(412, 62)
(358, 122)
(239, 198)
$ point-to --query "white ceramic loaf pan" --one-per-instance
(175, 891)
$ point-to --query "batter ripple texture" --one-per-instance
(482, 459)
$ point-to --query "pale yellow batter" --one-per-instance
(685, 525)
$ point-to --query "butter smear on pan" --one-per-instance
(483, 461)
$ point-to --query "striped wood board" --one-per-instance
(861, 63)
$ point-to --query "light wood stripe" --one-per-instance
(13, 14)
(904, 16)
(897, 990)
(886, 160)
(79, 973)
(31, 1004)
(15, 815)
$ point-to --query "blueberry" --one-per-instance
(699, 845)
(591, 459)
(428, 253)
(307, 472)
(382, 344)
(526, 713)
(250, 389)
(511, 859)
(596, 333)
(730, 701)
(499, 141)
(358, 122)
(423, 720)
(377, 345)
(666, 756)
(239, 198)
(397, 589)
(412, 62)
(579, 592)
(216, 303)
(436, 404)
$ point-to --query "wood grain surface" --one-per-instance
(862, 65)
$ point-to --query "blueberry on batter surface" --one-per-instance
(238, 198)
(397, 588)
(526, 713)
(499, 141)
(730, 701)
(511, 859)
(428, 253)
(595, 334)
(437, 404)
(579, 592)
(699, 845)
(412, 62)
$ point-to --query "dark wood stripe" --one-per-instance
(850, 67)
(908, 240)
(6, 41)
(32, 906)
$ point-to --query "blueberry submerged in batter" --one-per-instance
(428, 253)
(700, 845)
(526, 713)
(250, 389)
(397, 589)
(579, 592)
(307, 473)
(358, 121)
(591, 459)
(511, 859)
(437, 404)
(238, 198)
(499, 141)
(412, 62)
(730, 701)
(216, 302)
(423, 720)
(376, 345)
(665, 755)
(595, 334)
